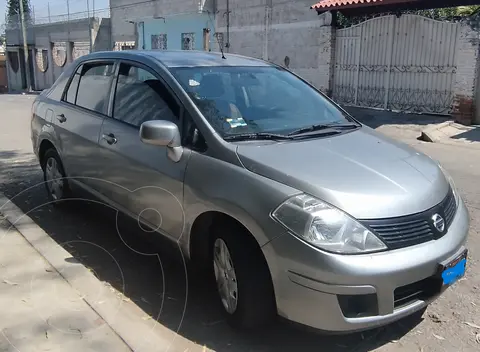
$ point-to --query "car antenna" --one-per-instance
(220, 46)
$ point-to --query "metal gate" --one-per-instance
(404, 63)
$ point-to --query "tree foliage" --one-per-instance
(13, 10)
(451, 14)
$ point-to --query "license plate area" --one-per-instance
(452, 271)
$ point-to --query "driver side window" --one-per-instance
(140, 96)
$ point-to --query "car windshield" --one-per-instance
(238, 100)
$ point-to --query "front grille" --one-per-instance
(414, 229)
(420, 290)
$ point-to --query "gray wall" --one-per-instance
(103, 38)
(71, 34)
(14, 78)
(275, 29)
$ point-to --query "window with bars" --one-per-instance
(188, 41)
(159, 41)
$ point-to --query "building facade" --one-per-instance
(51, 47)
(286, 33)
(128, 15)
(387, 63)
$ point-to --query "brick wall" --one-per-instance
(466, 76)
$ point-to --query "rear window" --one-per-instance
(94, 88)
(71, 95)
(90, 86)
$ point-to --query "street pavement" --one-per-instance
(155, 279)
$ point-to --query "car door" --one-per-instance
(141, 178)
(78, 119)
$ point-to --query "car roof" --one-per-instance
(182, 58)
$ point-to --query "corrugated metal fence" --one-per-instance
(402, 63)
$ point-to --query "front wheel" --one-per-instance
(243, 280)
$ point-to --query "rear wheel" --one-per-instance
(54, 176)
(242, 279)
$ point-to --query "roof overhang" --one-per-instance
(329, 5)
(362, 7)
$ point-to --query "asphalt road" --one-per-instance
(155, 277)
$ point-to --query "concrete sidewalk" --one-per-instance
(51, 302)
(40, 310)
(410, 127)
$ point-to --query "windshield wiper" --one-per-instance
(256, 136)
(314, 128)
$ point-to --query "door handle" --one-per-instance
(109, 138)
(61, 118)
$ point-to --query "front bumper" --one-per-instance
(312, 286)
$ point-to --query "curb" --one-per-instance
(124, 318)
(432, 133)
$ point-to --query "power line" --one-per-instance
(125, 6)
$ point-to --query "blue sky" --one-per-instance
(57, 7)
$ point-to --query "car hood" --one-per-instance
(362, 172)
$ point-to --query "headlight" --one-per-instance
(452, 183)
(326, 227)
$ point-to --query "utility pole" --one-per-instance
(68, 17)
(49, 18)
(25, 46)
(68, 11)
(89, 26)
(93, 9)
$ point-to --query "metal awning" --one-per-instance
(361, 7)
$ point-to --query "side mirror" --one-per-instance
(165, 134)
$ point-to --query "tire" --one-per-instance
(54, 176)
(255, 299)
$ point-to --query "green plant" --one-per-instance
(451, 14)
(13, 11)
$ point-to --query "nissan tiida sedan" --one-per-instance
(292, 207)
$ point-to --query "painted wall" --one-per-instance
(125, 13)
(173, 27)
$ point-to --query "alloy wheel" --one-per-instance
(225, 276)
(54, 178)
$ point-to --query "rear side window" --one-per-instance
(140, 96)
(71, 95)
(57, 90)
(93, 86)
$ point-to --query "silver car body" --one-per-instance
(363, 173)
